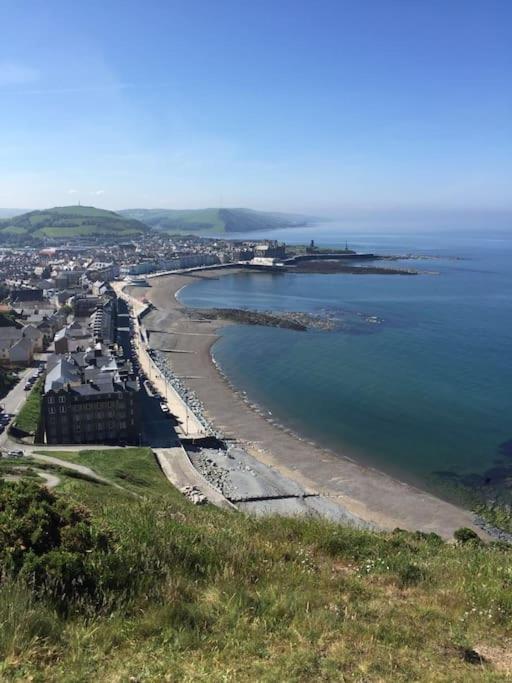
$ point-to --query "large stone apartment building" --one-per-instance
(90, 397)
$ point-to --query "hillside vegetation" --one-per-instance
(215, 221)
(7, 380)
(29, 417)
(124, 580)
(68, 222)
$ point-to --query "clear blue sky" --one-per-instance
(307, 105)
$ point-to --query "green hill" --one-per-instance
(68, 222)
(122, 579)
(214, 221)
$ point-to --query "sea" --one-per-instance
(417, 382)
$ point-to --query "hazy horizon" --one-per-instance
(366, 220)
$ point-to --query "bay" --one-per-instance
(427, 394)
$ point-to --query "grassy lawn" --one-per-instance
(218, 596)
(135, 469)
(29, 416)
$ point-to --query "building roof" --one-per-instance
(94, 371)
(62, 373)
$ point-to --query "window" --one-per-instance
(62, 409)
(62, 399)
(51, 399)
(51, 410)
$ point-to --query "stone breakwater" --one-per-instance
(290, 320)
(328, 320)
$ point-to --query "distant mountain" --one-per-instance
(68, 222)
(214, 221)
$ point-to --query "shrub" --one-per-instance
(410, 575)
(48, 542)
(465, 535)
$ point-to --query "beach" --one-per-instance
(364, 492)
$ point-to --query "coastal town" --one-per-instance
(96, 351)
(80, 347)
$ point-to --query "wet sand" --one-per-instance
(365, 492)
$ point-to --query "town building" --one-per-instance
(15, 348)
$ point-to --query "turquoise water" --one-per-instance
(426, 395)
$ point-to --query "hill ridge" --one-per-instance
(70, 222)
(215, 220)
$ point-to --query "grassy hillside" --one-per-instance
(69, 222)
(213, 221)
(147, 587)
(29, 417)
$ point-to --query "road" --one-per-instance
(14, 400)
(187, 424)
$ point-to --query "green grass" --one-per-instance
(14, 230)
(218, 596)
(134, 469)
(29, 416)
(84, 229)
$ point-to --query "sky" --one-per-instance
(324, 106)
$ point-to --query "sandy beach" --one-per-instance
(364, 492)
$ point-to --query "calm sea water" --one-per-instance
(426, 395)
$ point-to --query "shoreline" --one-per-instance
(365, 492)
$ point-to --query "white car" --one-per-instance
(16, 453)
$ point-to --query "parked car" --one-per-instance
(16, 453)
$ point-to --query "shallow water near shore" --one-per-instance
(426, 395)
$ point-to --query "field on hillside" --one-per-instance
(184, 593)
(69, 222)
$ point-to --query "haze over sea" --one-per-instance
(426, 395)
